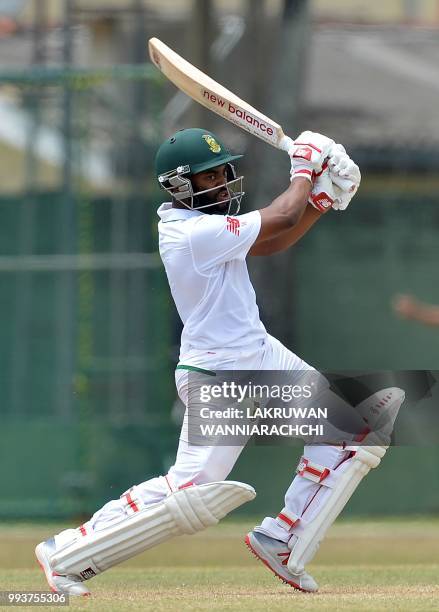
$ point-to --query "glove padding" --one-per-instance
(345, 175)
(323, 195)
(308, 153)
(337, 183)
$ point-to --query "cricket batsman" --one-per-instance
(204, 244)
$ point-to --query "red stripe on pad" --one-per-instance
(286, 519)
(132, 504)
(169, 484)
(185, 486)
(318, 473)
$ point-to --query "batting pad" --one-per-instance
(336, 494)
(183, 512)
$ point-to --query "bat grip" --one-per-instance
(286, 143)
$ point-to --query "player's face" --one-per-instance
(209, 179)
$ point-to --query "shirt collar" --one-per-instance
(167, 213)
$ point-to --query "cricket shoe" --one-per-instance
(274, 554)
(68, 585)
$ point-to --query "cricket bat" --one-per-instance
(214, 96)
(220, 100)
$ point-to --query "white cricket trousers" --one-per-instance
(203, 464)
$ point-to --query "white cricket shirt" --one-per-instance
(204, 258)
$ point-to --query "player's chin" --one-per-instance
(220, 206)
(223, 200)
(223, 207)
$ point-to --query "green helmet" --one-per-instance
(189, 152)
(194, 148)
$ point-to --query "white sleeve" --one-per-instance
(216, 239)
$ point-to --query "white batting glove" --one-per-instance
(323, 195)
(308, 153)
(346, 176)
(335, 188)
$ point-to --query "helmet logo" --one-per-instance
(213, 145)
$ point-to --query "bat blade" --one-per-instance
(214, 96)
(220, 100)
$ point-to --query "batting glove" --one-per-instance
(323, 195)
(346, 176)
(308, 153)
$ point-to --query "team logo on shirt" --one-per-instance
(213, 145)
(233, 225)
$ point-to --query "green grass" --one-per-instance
(362, 566)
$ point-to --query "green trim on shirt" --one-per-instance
(194, 369)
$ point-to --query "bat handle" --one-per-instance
(286, 143)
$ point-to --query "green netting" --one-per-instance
(85, 367)
(68, 436)
(349, 268)
(79, 77)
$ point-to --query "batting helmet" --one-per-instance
(189, 152)
(198, 149)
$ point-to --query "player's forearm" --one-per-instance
(291, 204)
(285, 211)
(408, 307)
(289, 238)
(426, 314)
